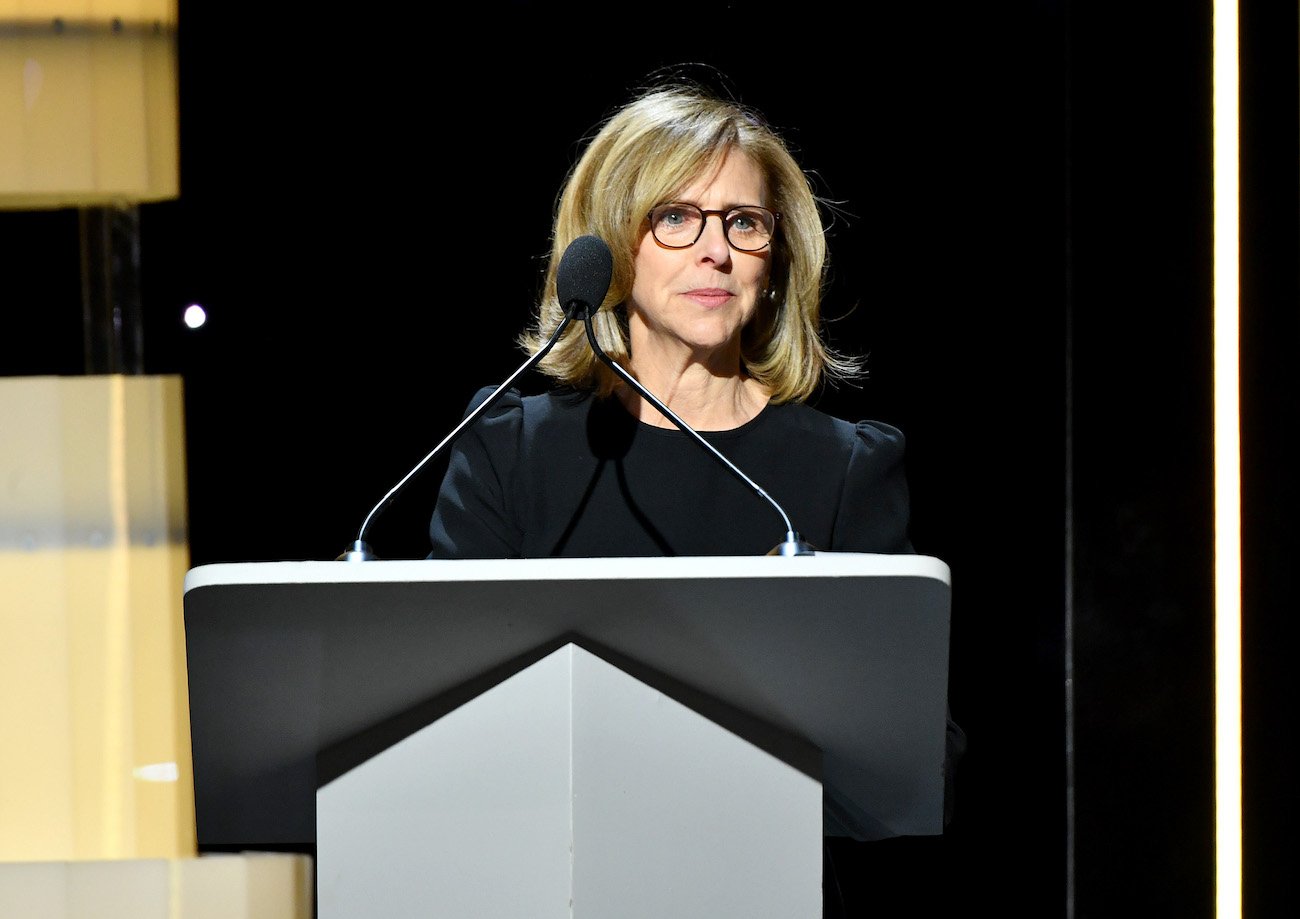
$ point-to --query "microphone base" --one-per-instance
(358, 551)
(792, 546)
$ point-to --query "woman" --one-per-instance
(719, 255)
(714, 306)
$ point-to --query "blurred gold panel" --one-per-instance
(93, 696)
(88, 103)
(246, 886)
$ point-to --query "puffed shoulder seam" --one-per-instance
(510, 401)
(877, 435)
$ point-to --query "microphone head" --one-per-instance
(582, 280)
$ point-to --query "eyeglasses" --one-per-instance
(678, 225)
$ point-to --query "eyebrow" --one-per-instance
(711, 210)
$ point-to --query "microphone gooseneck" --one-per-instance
(359, 550)
(582, 280)
(793, 544)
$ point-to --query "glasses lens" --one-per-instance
(676, 225)
(749, 228)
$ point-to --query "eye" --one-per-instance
(749, 222)
(674, 216)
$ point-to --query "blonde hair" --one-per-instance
(646, 153)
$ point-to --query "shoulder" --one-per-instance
(512, 407)
(508, 403)
(515, 425)
(858, 466)
(865, 438)
(868, 454)
(877, 437)
(872, 512)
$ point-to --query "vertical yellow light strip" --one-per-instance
(1227, 469)
(118, 836)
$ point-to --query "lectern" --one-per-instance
(568, 737)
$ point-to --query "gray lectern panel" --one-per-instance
(847, 653)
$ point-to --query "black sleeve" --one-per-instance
(873, 511)
(474, 513)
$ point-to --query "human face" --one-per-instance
(691, 304)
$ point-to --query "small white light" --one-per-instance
(157, 772)
(195, 316)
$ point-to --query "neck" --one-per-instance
(704, 400)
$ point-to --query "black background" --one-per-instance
(1021, 246)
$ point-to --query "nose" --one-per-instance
(713, 240)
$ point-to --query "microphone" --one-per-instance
(793, 544)
(581, 282)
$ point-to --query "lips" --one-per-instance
(709, 296)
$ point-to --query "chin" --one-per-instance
(713, 340)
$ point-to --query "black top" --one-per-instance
(566, 474)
